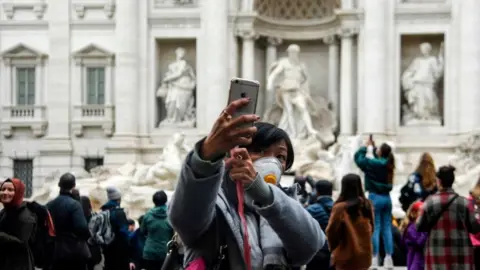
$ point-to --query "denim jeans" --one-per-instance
(382, 205)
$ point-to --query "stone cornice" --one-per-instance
(434, 13)
(23, 25)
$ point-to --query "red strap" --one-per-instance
(241, 213)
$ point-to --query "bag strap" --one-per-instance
(440, 214)
(220, 239)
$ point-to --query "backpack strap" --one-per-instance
(440, 214)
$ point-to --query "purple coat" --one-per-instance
(415, 242)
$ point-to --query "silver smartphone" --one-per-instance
(243, 88)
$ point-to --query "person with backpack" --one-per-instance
(379, 173)
(320, 211)
(448, 219)
(70, 245)
(117, 252)
(158, 232)
(420, 184)
(228, 208)
(95, 249)
(17, 227)
(137, 244)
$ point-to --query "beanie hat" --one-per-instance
(67, 181)
(113, 194)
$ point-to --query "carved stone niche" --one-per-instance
(38, 8)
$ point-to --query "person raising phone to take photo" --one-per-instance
(279, 231)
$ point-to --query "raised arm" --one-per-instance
(364, 162)
(192, 207)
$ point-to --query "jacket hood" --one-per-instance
(110, 205)
(159, 211)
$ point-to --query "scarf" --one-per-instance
(270, 244)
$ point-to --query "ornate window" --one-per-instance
(22, 90)
(296, 9)
(92, 95)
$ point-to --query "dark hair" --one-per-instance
(324, 188)
(66, 182)
(446, 175)
(352, 193)
(130, 222)
(86, 206)
(160, 198)
(140, 220)
(268, 134)
(76, 194)
(386, 152)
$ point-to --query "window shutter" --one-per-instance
(31, 86)
(91, 91)
(21, 86)
(101, 86)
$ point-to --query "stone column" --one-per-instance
(58, 75)
(271, 57)
(469, 66)
(375, 53)
(126, 75)
(248, 53)
(333, 69)
(346, 82)
(7, 83)
(214, 22)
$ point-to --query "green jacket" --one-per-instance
(375, 170)
(158, 233)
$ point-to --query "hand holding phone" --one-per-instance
(234, 126)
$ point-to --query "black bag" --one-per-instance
(69, 248)
(407, 193)
(42, 242)
(173, 260)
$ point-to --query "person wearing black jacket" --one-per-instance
(71, 250)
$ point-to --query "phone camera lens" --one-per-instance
(243, 95)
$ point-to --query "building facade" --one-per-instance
(80, 79)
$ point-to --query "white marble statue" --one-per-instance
(467, 162)
(137, 182)
(177, 90)
(419, 83)
(294, 110)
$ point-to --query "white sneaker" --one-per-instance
(388, 262)
(374, 264)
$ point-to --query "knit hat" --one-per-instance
(17, 199)
(113, 194)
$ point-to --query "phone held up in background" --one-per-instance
(370, 137)
(243, 88)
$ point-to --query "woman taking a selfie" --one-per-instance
(17, 225)
(379, 171)
(269, 230)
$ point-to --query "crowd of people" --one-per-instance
(229, 211)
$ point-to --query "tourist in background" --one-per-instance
(95, 249)
(137, 244)
(117, 253)
(76, 194)
(350, 228)
(413, 239)
(17, 225)
(474, 202)
(421, 183)
(448, 219)
(157, 231)
(320, 211)
(204, 209)
(379, 173)
(71, 250)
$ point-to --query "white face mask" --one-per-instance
(270, 169)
